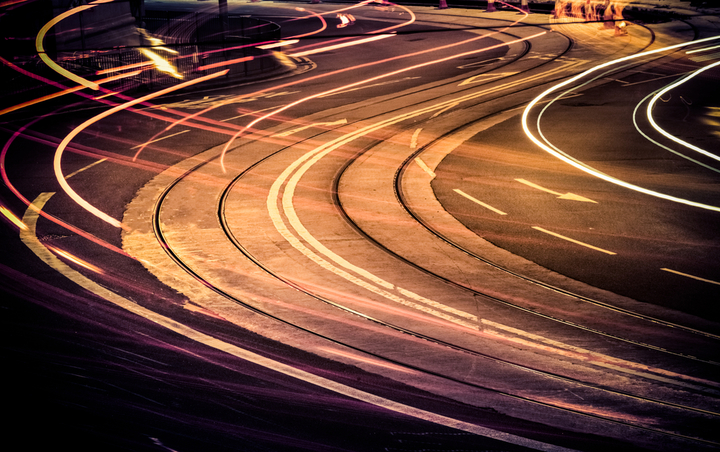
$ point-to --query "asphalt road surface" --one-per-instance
(418, 229)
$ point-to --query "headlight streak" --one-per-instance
(587, 169)
(362, 82)
(57, 163)
(662, 131)
(637, 127)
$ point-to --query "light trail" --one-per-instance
(665, 133)
(342, 45)
(57, 163)
(586, 168)
(353, 68)
(54, 66)
(30, 239)
(372, 79)
(637, 128)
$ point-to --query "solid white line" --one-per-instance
(572, 240)
(691, 276)
(487, 206)
(30, 239)
(414, 139)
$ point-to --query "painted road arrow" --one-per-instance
(570, 196)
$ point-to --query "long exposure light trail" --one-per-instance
(53, 65)
(57, 163)
(353, 68)
(586, 168)
(33, 243)
(664, 133)
(660, 145)
(368, 80)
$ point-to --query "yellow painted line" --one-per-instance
(31, 241)
(317, 124)
(572, 240)
(477, 201)
(691, 276)
(247, 114)
(449, 107)
(84, 168)
(414, 138)
(159, 139)
(424, 167)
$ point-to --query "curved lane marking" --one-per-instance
(31, 241)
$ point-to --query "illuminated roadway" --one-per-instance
(381, 246)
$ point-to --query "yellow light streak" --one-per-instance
(41, 49)
(226, 63)
(11, 216)
(586, 168)
(577, 242)
(278, 44)
(477, 201)
(161, 64)
(75, 259)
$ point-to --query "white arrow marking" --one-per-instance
(570, 196)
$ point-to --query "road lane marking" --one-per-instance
(317, 124)
(691, 276)
(33, 243)
(424, 167)
(84, 168)
(573, 240)
(159, 139)
(449, 107)
(414, 139)
(477, 201)
(569, 196)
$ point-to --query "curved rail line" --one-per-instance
(157, 228)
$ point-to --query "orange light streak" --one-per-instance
(226, 63)
(57, 163)
(63, 92)
(75, 259)
(11, 216)
(122, 68)
(321, 18)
